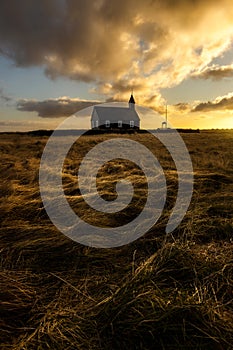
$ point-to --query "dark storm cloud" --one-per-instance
(76, 38)
(53, 108)
(216, 72)
(222, 103)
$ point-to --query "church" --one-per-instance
(115, 117)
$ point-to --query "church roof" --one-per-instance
(115, 114)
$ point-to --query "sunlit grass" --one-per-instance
(159, 292)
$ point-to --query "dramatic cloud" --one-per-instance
(216, 72)
(221, 103)
(117, 45)
(53, 108)
(182, 106)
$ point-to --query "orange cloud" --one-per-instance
(221, 103)
(216, 72)
(148, 45)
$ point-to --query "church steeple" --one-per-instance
(132, 102)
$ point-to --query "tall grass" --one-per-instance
(163, 291)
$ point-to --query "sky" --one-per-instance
(60, 56)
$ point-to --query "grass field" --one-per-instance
(163, 291)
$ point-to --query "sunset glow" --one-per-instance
(59, 57)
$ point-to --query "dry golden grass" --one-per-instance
(160, 292)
